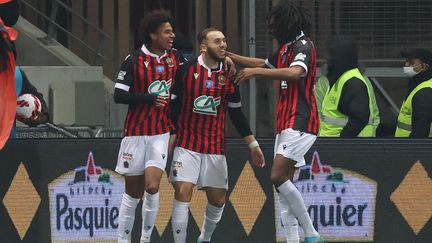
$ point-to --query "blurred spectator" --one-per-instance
(9, 11)
(415, 117)
(349, 108)
(184, 45)
(321, 88)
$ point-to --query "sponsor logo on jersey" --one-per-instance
(160, 87)
(206, 105)
(121, 75)
(209, 84)
(300, 57)
(160, 69)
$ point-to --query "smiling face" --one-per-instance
(163, 38)
(214, 45)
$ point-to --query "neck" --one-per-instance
(210, 62)
(156, 50)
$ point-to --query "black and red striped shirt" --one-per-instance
(205, 95)
(144, 72)
(296, 107)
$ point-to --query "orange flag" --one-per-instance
(7, 88)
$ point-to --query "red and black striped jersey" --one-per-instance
(296, 107)
(144, 72)
(204, 97)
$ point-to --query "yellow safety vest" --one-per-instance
(333, 121)
(404, 121)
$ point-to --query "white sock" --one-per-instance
(150, 209)
(126, 217)
(179, 221)
(212, 216)
(289, 221)
(296, 205)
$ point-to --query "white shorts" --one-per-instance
(293, 144)
(139, 152)
(203, 170)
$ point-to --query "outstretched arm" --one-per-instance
(293, 73)
(251, 62)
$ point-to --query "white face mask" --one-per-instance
(409, 71)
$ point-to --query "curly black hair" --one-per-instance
(151, 22)
(287, 20)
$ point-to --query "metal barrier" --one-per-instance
(50, 130)
(53, 26)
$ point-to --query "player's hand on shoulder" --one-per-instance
(257, 157)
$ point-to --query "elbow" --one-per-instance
(118, 97)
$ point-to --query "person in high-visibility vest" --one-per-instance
(349, 107)
(415, 116)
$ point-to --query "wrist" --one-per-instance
(253, 144)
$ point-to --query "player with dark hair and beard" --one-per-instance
(144, 83)
(294, 66)
(202, 94)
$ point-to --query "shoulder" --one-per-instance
(187, 65)
(303, 43)
(424, 94)
(355, 83)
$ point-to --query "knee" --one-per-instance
(218, 203)
(276, 179)
(183, 193)
(152, 188)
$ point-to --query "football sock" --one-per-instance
(289, 221)
(149, 212)
(180, 217)
(212, 216)
(126, 217)
(296, 204)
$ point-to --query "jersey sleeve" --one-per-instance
(125, 75)
(178, 84)
(272, 60)
(180, 58)
(302, 55)
(234, 98)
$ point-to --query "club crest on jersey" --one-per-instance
(284, 84)
(222, 80)
(196, 75)
(160, 87)
(209, 84)
(160, 69)
(206, 105)
(169, 61)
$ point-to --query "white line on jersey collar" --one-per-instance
(209, 70)
(147, 52)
